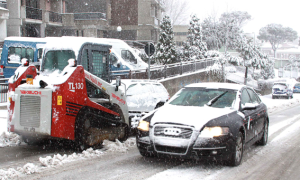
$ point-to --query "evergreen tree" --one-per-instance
(165, 48)
(194, 48)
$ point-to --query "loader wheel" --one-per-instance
(82, 134)
(124, 126)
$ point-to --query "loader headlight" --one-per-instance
(210, 132)
(143, 125)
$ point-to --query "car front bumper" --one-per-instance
(211, 149)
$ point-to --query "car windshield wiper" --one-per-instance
(212, 101)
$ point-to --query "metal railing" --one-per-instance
(156, 72)
(164, 71)
(33, 13)
(55, 17)
(89, 16)
(3, 91)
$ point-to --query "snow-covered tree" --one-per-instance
(253, 57)
(177, 10)
(194, 47)
(223, 32)
(276, 34)
(165, 48)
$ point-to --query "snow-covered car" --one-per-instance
(143, 96)
(296, 88)
(211, 121)
(282, 89)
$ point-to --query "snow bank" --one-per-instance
(27, 169)
(9, 139)
(59, 160)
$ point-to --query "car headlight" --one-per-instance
(143, 126)
(210, 132)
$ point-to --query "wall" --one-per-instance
(175, 84)
(124, 12)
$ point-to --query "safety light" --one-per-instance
(29, 79)
(25, 62)
(143, 125)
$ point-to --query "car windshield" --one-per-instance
(219, 98)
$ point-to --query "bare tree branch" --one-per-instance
(178, 10)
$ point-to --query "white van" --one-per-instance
(125, 57)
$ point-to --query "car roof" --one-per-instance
(218, 86)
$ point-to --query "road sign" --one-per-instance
(149, 49)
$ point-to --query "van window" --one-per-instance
(113, 59)
(128, 56)
(57, 59)
(16, 54)
(40, 53)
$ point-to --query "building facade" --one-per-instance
(4, 14)
(138, 19)
(180, 34)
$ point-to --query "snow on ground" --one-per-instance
(182, 171)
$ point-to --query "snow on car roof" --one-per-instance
(217, 86)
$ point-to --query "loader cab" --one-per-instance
(93, 57)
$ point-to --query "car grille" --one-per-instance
(168, 149)
(185, 133)
(30, 110)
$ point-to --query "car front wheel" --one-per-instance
(264, 139)
(237, 156)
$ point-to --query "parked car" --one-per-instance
(213, 121)
(143, 96)
(296, 88)
(282, 89)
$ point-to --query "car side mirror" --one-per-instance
(248, 106)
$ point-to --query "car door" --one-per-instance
(250, 115)
(259, 112)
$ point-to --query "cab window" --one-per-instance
(57, 59)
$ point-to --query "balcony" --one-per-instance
(89, 16)
(55, 17)
(33, 13)
(3, 5)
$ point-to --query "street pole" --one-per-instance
(148, 60)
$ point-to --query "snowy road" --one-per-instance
(277, 160)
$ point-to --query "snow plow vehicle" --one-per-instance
(66, 100)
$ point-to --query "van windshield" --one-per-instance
(57, 59)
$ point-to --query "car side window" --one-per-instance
(245, 98)
(253, 96)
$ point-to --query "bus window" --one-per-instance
(16, 54)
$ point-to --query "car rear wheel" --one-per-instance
(264, 139)
(237, 156)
